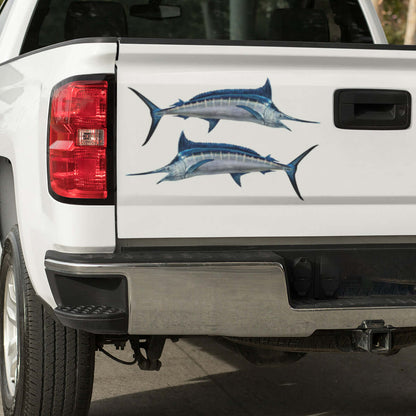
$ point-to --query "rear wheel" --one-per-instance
(46, 369)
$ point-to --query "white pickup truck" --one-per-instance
(233, 168)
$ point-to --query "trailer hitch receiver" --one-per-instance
(373, 336)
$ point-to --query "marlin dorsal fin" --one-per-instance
(266, 90)
(178, 103)
(184, 143)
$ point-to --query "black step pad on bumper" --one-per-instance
(93, 318)
(91, 303)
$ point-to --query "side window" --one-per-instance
(4, 11)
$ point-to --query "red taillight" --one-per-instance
(78, 140)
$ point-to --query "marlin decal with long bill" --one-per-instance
(252, 105)
(198, 159)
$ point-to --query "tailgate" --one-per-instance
(230, 134)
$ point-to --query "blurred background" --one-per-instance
(398, 18)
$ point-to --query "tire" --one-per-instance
(54, 370)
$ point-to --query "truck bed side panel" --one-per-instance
(44, 223)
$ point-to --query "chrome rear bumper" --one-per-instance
(241, 299)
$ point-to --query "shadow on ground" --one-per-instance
(320, 384)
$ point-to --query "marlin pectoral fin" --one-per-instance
(212, 123)
(197, 165)
(237, 177)
(254, 113)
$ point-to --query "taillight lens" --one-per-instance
(78, 140)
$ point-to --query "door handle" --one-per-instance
(363, 109)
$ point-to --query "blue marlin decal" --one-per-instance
(197, 159)
(252, 105)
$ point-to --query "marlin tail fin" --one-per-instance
(155, 112)
(293, 167)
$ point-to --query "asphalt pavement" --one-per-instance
(202, 378)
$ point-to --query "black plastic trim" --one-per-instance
(276, 44)
(111, 148)
(215, 253)
(116, 325)
(72, 291)
(155, 41)
(293, 44)
(384, 109)
(164, 255)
